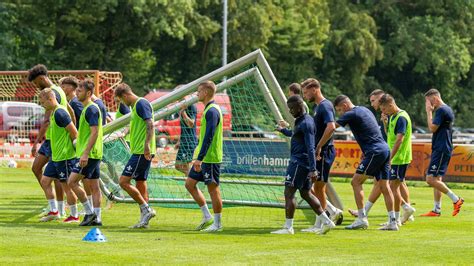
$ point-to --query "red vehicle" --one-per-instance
(168, 130)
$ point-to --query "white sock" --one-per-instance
(206, 214)
(52, 205)
(87, 207)
(324, 218)
(317, 222)
(98, 213)
(73, 209)
(362, 213)
(61, 207)
(289, 223)
(437, 206)
(452, 196)
(89, 198)
(144, 208)
(330, 208)
(217, 219)
(397, 216)
(367, 207)
(391, 216)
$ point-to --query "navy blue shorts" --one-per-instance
(59, 170)
(376, 165)
(297, 177)
(185, 154)
(323, 166)
(45, 148)
(398, 172)
(137, 167)
(210, 173)
(439, 163)
(91, 171)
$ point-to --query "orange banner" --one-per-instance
(460, 169)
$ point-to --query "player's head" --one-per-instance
(206, 91)
(124, 93)
(296, 105)
(374, 98)
(434, 96)
(85, 90)
(47, 99)
(38, 75)
(69, 85)
(342, 103)
(311, 87)
(294, 89)
(387, 104)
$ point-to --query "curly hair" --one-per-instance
(36, 71)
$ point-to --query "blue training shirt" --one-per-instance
(188, 136)
(92, 115)
(103, 110)
(212, 120)
(365, 129)
(442, 139)
(302, 142)
(401, 126)
(323, 114)
(144, 110)
(77, 107)
(124, 109)
(62, 118)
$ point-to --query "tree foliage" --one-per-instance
(403, 47)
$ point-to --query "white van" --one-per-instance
(19, 118)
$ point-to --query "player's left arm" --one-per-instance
(71, 113)
(92, 117)
(64, 119)
(149, 135)
(309, 139)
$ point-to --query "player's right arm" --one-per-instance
(92, 118)
(41, 132)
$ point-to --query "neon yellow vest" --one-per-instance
(138, 132)
(404, 154)
(215, 152)
(61, 143)
(85, 133)
(118, 114)
(62, 103)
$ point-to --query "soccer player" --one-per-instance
(376, 161)
(302, 168)
(293, 89)
(63, 133)
(142, 147)
(374, 98)
(207, 159)
(324, 120)
(89, 151)
(441, 149)
(38, 75)
(187, 140)
(399, 141)
(69, 86)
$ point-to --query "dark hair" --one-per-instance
(386, 99)
(295, 88)
(339, 99)
(376, 92)
(432, 92)
(311, 83)
(209, 85)
(122, 89)
(70, 81)
(295, 99)
(38, 70)
(87, 84)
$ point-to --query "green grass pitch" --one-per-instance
(245, 239)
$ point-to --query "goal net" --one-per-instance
(255, 155)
